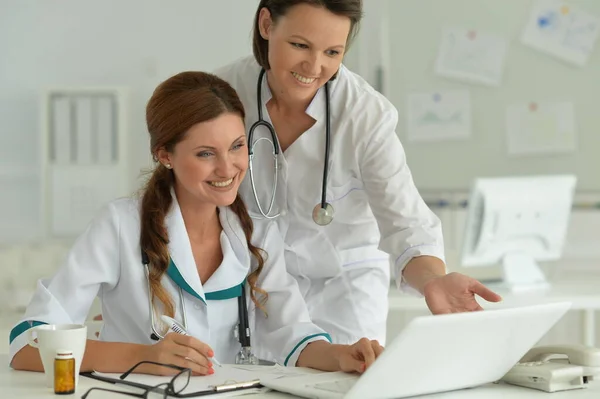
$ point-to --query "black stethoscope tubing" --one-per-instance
(327, 145)
(276, 150)
(243, 325)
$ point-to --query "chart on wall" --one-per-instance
(541, 128)
(563, 30)
(472, 56)
(436, 116)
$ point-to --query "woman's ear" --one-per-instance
(265, 23)
(164, 157)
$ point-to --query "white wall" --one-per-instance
(136, 44)
(130, 43)
(403, 37)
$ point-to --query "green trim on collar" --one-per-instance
(228, 293)
(22, 327)
(178, 279)
(287, 359)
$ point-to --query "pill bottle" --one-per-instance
(64, 372)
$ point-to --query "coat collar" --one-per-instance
(236, 257)
(182, 268)
(316, 108)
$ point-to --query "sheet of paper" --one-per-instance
(439, 116)
(223, 375)
(540, 128)
(472, 56)
(561, 29)
(277, 371)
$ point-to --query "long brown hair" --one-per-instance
(176, 105)
(278, 8)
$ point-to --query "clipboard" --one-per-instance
(217, 389)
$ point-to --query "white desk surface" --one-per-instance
(30, 385)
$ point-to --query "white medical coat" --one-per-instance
(106, 262)
(343, 269)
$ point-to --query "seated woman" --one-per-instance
(186, 248)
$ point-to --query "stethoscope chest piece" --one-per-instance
(323, 216)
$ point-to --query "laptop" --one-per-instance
(437, 354)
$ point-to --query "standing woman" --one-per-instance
(339, 187)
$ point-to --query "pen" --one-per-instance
(179, 329)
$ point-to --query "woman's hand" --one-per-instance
(359, 356)
(179, 350)
(455, 293)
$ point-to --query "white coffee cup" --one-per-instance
(51, 337)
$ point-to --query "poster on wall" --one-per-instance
(562, 30)
(471, 56)
(541, 128)
(437, 116)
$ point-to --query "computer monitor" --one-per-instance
(516, 222)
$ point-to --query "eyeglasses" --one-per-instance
(161, 391)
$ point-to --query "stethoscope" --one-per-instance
(241, 332)
(323, 212)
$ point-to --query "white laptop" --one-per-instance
(437, 354)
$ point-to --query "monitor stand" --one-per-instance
(521, 273)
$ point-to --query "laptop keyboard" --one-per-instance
(341, 386)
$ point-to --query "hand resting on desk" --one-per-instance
(325, 356)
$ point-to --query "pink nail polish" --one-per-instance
(211, 371)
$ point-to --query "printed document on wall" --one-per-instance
(541, 128)
(561, 29)
(438, 116)
(472, 56)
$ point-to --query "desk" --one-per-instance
(30, 385)
(583, 293)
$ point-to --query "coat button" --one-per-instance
(197, 306)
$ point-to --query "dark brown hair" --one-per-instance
(176, 105)
(278, 8)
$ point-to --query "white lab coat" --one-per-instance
(106, 262)
(343, 269)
